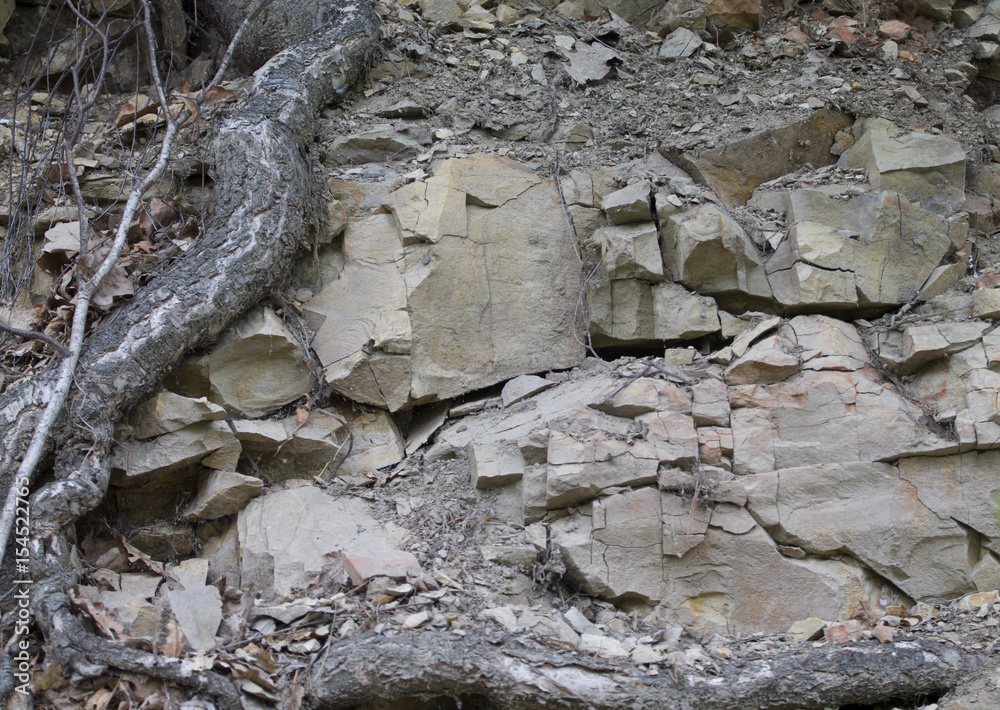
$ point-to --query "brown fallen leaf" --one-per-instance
(105, 620)
(173, 646)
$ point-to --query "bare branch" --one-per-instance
(34, 335)
(26, 471)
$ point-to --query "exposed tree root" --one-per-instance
(373, 670)
(264, 209)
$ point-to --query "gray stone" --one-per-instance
(375, 145)
(198, 612)
(522, 387)
(630, 204)
(287, 536)
(222, 493)
(166, 412)
(680, 43)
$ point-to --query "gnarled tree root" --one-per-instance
(372, 670)
(265, 207)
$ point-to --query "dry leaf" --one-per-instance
(219, 94)
(130, 114)
(301, 416)
(99, 700)
(173, 646)
(105, 621)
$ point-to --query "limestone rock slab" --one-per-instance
(286, 536)
(166, 412)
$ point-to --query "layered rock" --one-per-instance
(791, 469)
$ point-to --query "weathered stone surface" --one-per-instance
(257, 366)
(630, 204)
(736, 169)
(710, 403)
(877, 248)
(166, 412)
(374, 145)
(679, 314)
(646, 394)
(614, 549)
(522, 387)
(986, 303)
(631, 251)
(139, 460)
(908, 350)
(875, 515)
(470, 281)
(924, 168)
(962, 487)
(736, 15)
(707, 251)
(222, 493)
(286, 537)
(282, 448)
(495, 464)
(198, 612)
(771, 360)
(579, 467)
(681, 42)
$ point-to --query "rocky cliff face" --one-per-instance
(720, 352)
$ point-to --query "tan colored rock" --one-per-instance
(710, 403)
(282, 448)
(140, 460)
(737, 168)
(881, 241)
(646, 394)
(522, 387)
(986, 303)
(198, 613)
(680, 43)
(580, 467)
(735, 15)
(506, 14)
(631, 251)
(908, 350)
(287, 536)
(679, 314)
(166, 412)
(456, 291)
(621, 311)
(924, 168)
(630, 204)
(771, 360)
(257, 366)
(614, 549)
(962, 487)
(377, 443)
(427, 211)
(222, 493)
(875, 515)
(365, 309)
(496, 464)
(707, 251)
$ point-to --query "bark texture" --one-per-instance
(264, 211)
(373, 671)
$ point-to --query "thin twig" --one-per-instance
(35, 335)
(67, 368)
